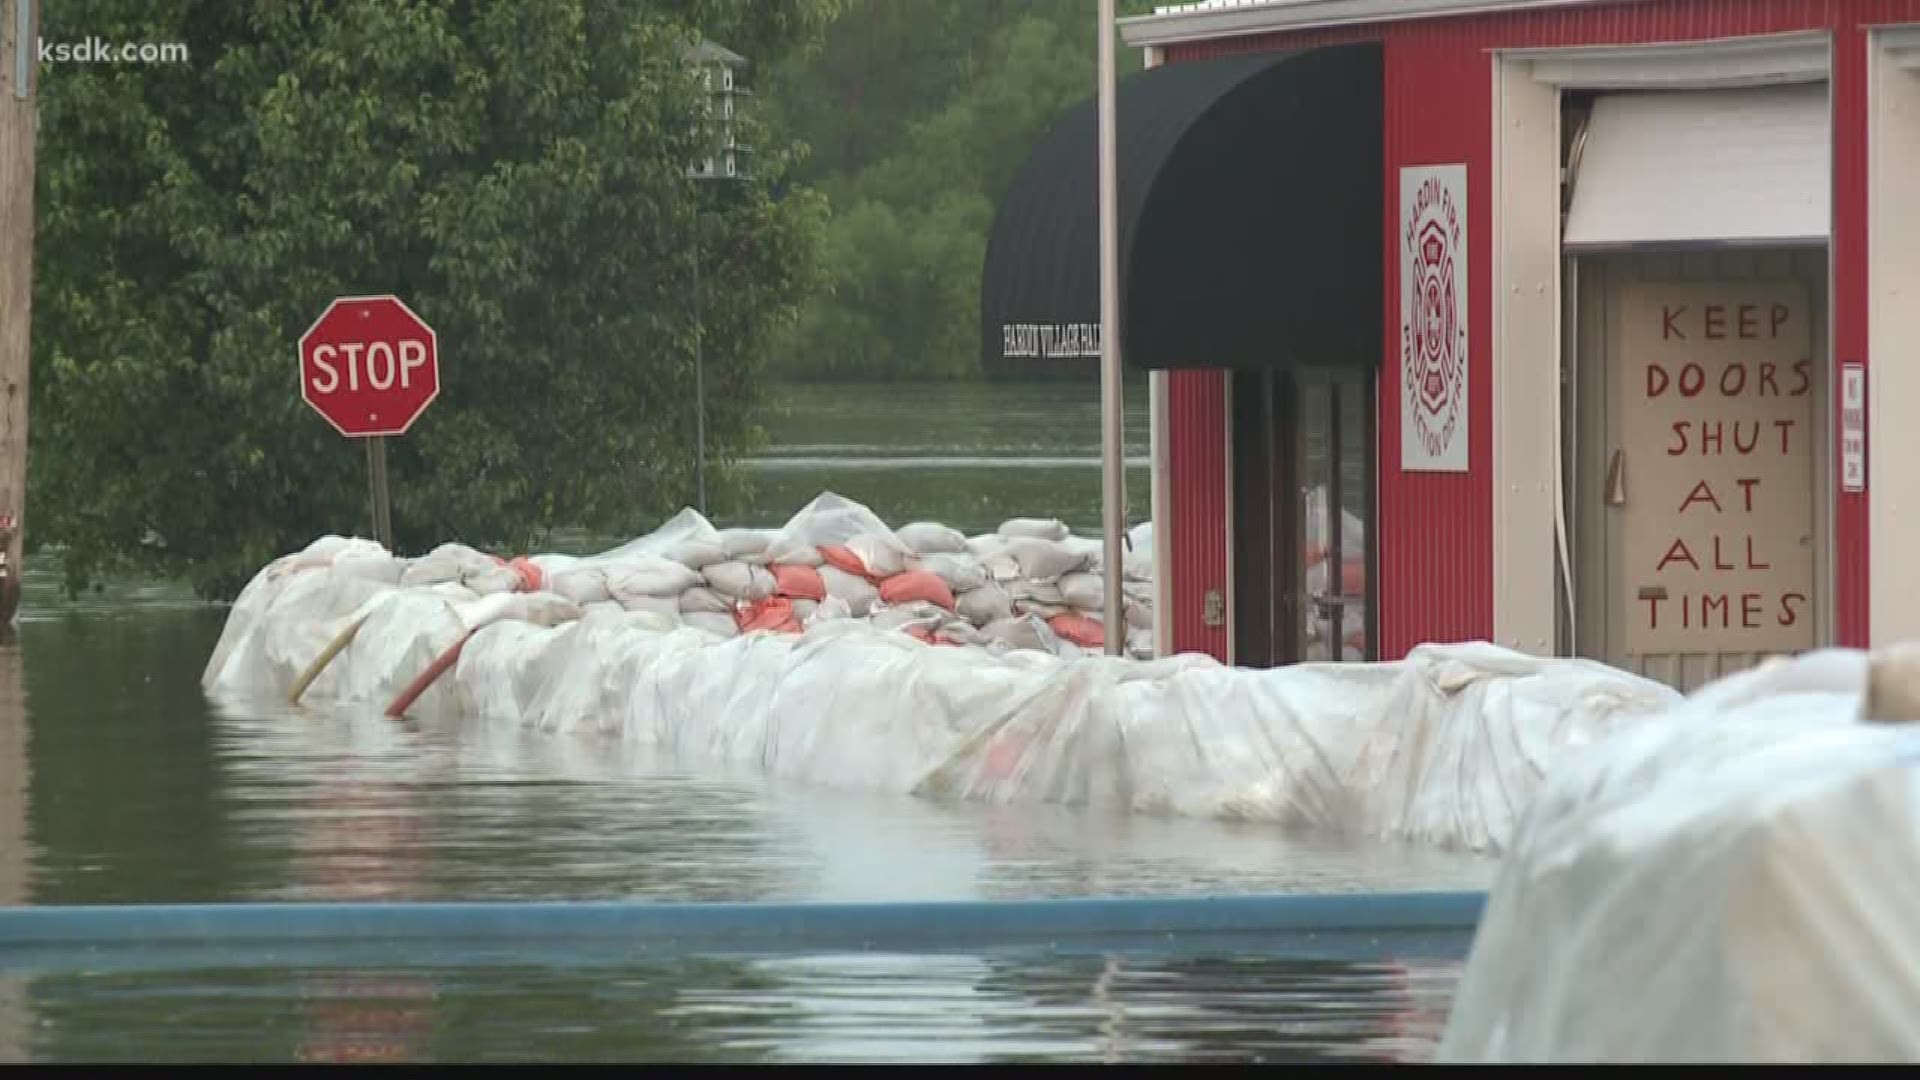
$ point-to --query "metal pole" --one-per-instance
(1112, 465)
(699, 380)
(377, 492)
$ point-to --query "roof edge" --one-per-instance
(1239, 18)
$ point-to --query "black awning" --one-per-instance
(1250, 209)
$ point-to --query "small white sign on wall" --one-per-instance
(1433, 318)
(1853, 427)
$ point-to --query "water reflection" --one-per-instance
(854, 1009)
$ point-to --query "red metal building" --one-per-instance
(1641, 276)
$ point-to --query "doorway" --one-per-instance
(1698, 493)
(1303, 509)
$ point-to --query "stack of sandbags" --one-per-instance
(1030, 585)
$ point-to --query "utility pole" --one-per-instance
(1113, 474)
(19, 34)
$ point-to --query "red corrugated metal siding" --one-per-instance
(1435, 530)
(1197, 489)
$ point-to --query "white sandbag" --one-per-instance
(930, 538)
(912, 613)
(741, 581)
(1041, 610)
(717, 625)
(582, 585)
(1020, 632)
(829, 609)
(1729, 882)
(659, 605)
(1046, 592)
(1139, 615)
(601, 609)
(448, 562)
(1043, 560)
(694, 554)
(1140, 644)
(377, 566)
(985, 546)
(881, 553)
(653, 622)
(960, 633)
(735, 543)
(1036, 528)
(961, 572)
(1001, 567)
(803, 610)
(857, 593)
(702, 599)
(784, 552)
(986, 604)
(1086, 592)
(648, 575)
(493, 580)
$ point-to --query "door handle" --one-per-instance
(1617, 479)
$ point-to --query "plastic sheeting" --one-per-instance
(1732, 882)
(1445, 747)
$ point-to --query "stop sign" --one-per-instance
(369, 365)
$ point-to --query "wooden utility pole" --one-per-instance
(20, 33)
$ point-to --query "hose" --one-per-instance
(420, 683)
(334, 648)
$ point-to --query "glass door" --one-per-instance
(1333, 458)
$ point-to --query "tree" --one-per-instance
(515, 171)
(920, 112)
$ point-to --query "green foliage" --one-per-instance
(919, 112)
(514, 171)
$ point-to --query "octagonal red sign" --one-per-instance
(369, 365)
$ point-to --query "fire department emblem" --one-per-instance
(1433, 318)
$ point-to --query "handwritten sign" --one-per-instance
(1716, 418)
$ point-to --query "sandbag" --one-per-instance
(582, 585)
(1035, 528)
(794, 553)
(985, 546)
(843, 559)
(1043, 560)
(1020, 633)
(740, 581)
(881, 554)
(648, 575)
(856, 592)
(773, 613)
(989, 603)
(961, 572)
(1045, 592)
(448, 562)
(930, 538)
(803, 610)
(1082, 631)
(828, 610)
(911, 613)
(1139, 616)
(659, 605)
(916, 585)
(735, 543)
(1039, 609)
(1082, 591)
(694, 554)
(717, 625)
(703, 600)
(798, 582)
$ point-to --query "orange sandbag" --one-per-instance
(911, 585)
(1082, 631)
(774, 613)
(918, 633)
(842, 558)
(531, 578)
(796, 582)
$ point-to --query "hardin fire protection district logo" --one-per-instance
(1433, 318)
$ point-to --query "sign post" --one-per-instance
(370, 366)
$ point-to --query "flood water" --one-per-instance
(120, 782)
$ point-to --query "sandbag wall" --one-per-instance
(1029, 585)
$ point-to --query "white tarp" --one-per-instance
(1445, 747)
(1731, 882)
